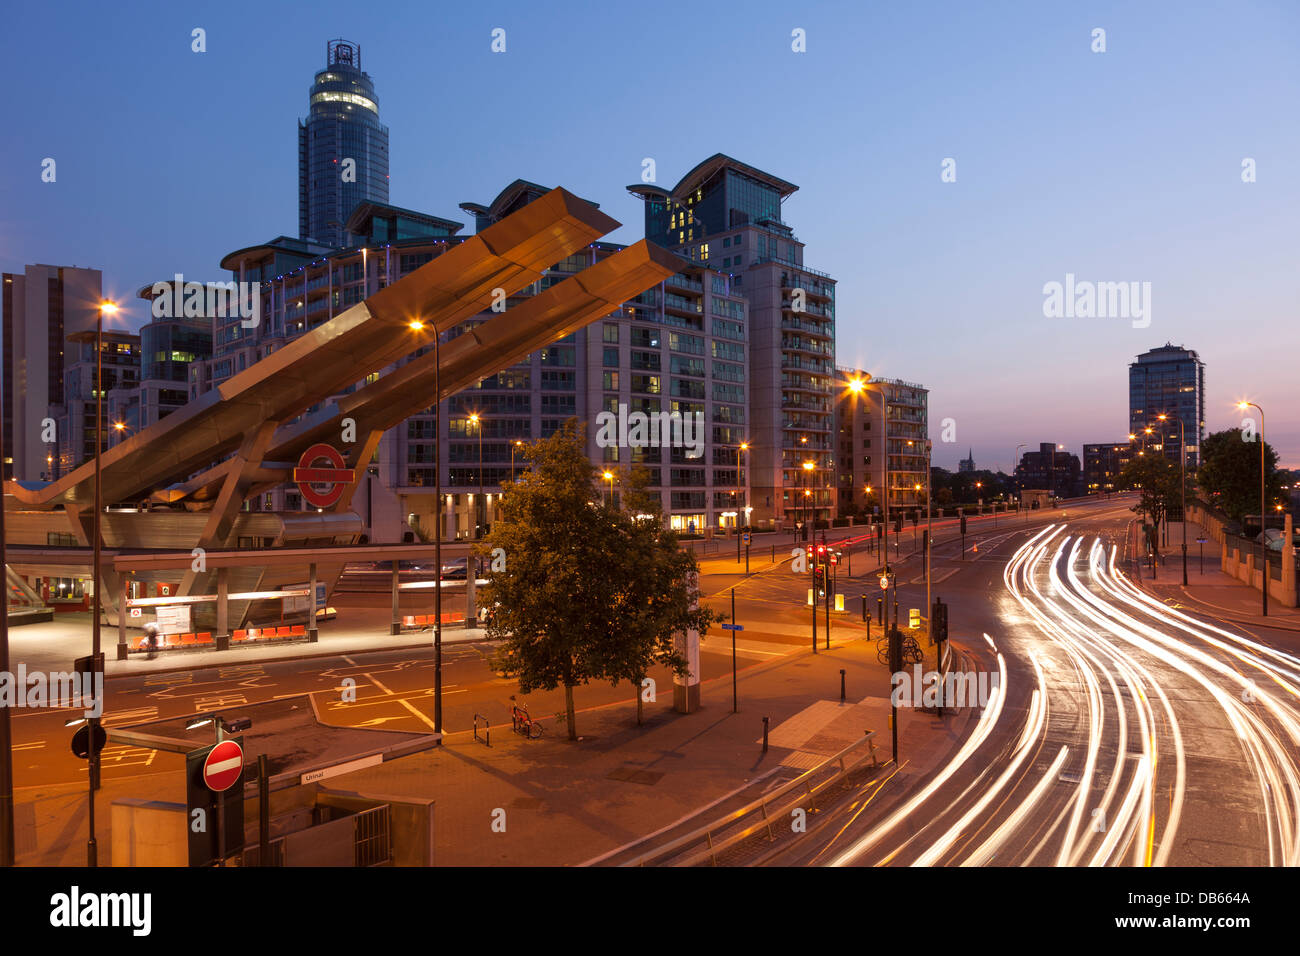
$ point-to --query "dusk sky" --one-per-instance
(1122, 166)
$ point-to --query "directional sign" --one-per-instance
(733, 627)
(745, 537)
(224, 765)
(81, 741)
(322, 485)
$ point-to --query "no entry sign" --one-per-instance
(321, 475)
(224, 765)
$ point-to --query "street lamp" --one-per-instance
(1263, 543)
(416, 325)
(609, 476)
(513, 446)
(740, 484)
(807, 471)
(478, 426)
(1182, 471)
(1014, 458)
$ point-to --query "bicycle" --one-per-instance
(911, 649)
(522, 723)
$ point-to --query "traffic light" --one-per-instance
(821, 554)
(916, 517)
(898, 524)
(963, 524)
(811, 561)
(939, 617)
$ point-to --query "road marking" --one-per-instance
(405, 703)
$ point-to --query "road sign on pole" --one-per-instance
(223, 766)
(81, 740)
(216, 817)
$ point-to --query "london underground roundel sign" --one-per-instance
(321, 475)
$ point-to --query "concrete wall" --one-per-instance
(412, 821)
(1242, 566)
(149, 833)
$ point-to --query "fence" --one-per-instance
(768, 807)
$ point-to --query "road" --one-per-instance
(393, 688)
(1122, 731)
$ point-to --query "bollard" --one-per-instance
(842, 698)
(864, 613)
(764, 735)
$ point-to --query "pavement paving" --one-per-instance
(1210, 591)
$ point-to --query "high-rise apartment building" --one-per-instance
(882, 426)
(1052, 469)
(726, 215)
(42, 306)
(342, 147)
(120, 372)
(1169, 380)
(1102, 464)
(677, 350)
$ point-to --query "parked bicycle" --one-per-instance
(911, 650)
(522, 723)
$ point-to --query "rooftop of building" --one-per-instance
(708, 168)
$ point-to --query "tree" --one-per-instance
(588, 591)
(1229, 473)
(658, 596)
(1157, 478)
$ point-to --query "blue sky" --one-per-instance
(1115, 166)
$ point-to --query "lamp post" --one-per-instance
(416, 325)
(1262, 512)
(740, 507)
(478, 426)
(6, 739)
(609, 476)
(1015, 456)
(929, 535)
(807, 476)
(110, 308)
(513, 446)
(1182, 471)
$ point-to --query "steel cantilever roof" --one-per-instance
(510, 255)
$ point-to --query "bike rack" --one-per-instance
(487, 729)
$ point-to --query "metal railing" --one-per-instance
(765, 807)
(373, 836)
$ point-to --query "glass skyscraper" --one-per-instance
(342, 148)
(1169, 380)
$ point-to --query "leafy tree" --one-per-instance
(658, 594)
(588, 592)
(1229, 473)
(1156, 477)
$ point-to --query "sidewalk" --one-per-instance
(54, 645)
(567, 802)
(1211, 592)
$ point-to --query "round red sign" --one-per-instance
(224, 765)
(321, 475)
